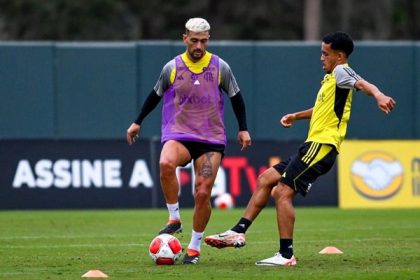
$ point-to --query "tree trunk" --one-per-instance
(312, 20)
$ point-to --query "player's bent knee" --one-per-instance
(283, 193)
(166, 166)
(201, 197)
(264, 181)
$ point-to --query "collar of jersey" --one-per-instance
(197, 67)
(328, 76)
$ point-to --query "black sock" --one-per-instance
(242, 226)
(286, 248)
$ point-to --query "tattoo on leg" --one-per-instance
(206, 170)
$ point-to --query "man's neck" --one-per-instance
(195, 60)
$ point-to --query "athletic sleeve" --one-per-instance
(149, 104)
(238, 106)
(227, 80)
(345, 77)
(164, 81)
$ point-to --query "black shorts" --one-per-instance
(197, 149)
(303, 168)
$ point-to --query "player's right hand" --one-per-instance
(133, 133)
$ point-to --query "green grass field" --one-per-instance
(377, 244)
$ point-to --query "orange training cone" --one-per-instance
(95, 274)
(330, 250)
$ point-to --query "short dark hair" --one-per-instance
(339, 41)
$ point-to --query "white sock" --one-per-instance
(174, 211)
(195, 242)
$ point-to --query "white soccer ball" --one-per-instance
(224, 201)
(165, 249)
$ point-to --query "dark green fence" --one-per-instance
(94, 90)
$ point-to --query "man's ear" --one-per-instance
(341, 56)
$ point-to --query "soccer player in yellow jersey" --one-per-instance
(328, 123)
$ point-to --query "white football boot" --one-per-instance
(225, 239)
(278, 259)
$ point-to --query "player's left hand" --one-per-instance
(386, 103)
(244, 139)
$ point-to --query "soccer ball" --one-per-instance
(165, 249)
(224, 201)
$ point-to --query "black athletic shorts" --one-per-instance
(303, 168)
(197, 149)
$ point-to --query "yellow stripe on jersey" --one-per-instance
(307, 158)
(173, 73)
(320, 150)
(195, 67)
(325, 149)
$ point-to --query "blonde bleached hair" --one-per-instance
(197, 25)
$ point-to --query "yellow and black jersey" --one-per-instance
(331, 111)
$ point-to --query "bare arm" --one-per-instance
(288, 119)
(385, 103)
